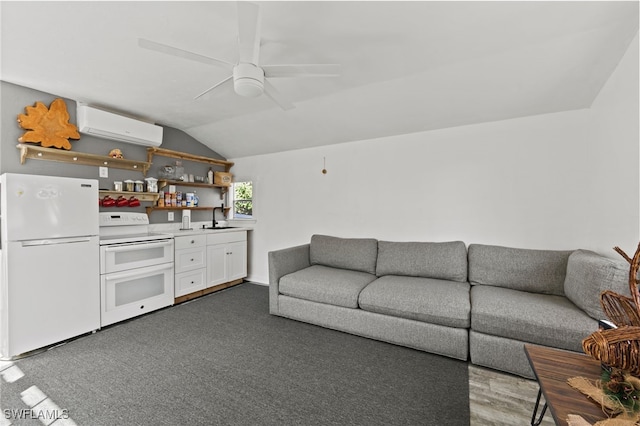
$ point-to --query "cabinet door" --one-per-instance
(236, 260)
(216, 265)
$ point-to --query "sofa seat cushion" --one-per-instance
(537, 271)
(423, 299)
(542, 319)
(445, 261)
(323, 284)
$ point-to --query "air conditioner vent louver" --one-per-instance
(107, 125)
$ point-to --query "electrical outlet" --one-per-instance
(104, 172)
(170, 216)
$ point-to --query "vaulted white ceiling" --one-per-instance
(406, 66)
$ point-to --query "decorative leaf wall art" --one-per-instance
(48, 126)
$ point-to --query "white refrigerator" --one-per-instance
(50, 278)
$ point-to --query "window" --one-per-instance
(242, 193)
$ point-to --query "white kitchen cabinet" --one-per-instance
(191, 264)
(237, 260)
(209, 262)
(190, 259)
(190, 282)
(226, 257)
(216, 264)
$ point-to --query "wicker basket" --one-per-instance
(619, 347)
(621, 310)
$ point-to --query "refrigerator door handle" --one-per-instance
(35, 243)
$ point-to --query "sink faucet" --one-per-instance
(214, 223)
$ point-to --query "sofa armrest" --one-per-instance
(281, 263)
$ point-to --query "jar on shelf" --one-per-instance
(179, 171)
(152, 184)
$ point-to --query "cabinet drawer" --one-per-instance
(190, 241)
(226, 237)
(188, 282)
(190, 259)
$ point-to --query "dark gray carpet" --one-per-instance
(223, 360)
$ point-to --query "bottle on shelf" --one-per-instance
(210, 176)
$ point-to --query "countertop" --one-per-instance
(185, 232)
(196, 229)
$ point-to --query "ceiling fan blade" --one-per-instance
(277, 97)
(174, 51)
(302, 70)
(249, 32)
(214, 86)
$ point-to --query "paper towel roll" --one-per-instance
(186, 219)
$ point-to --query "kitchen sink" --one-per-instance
(220, 227)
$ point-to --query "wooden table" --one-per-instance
(552, 368)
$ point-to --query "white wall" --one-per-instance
(616, 134)
(559, 181)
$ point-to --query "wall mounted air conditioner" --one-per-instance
(107, 125)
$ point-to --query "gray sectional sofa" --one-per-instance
(481, 303)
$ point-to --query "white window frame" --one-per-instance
(231, 200)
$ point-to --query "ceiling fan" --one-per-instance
(248, 77)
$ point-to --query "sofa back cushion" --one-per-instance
(357, 254)
(535, 271)
(588, 275)
(446, 261)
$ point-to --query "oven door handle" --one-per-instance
(137, 246)
(140, 272)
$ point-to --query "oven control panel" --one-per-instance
(123, 219)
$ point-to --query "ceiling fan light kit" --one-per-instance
(248, 80)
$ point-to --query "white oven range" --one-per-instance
(136, 267)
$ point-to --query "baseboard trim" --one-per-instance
(209, 290)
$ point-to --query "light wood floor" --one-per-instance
(500, 399)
